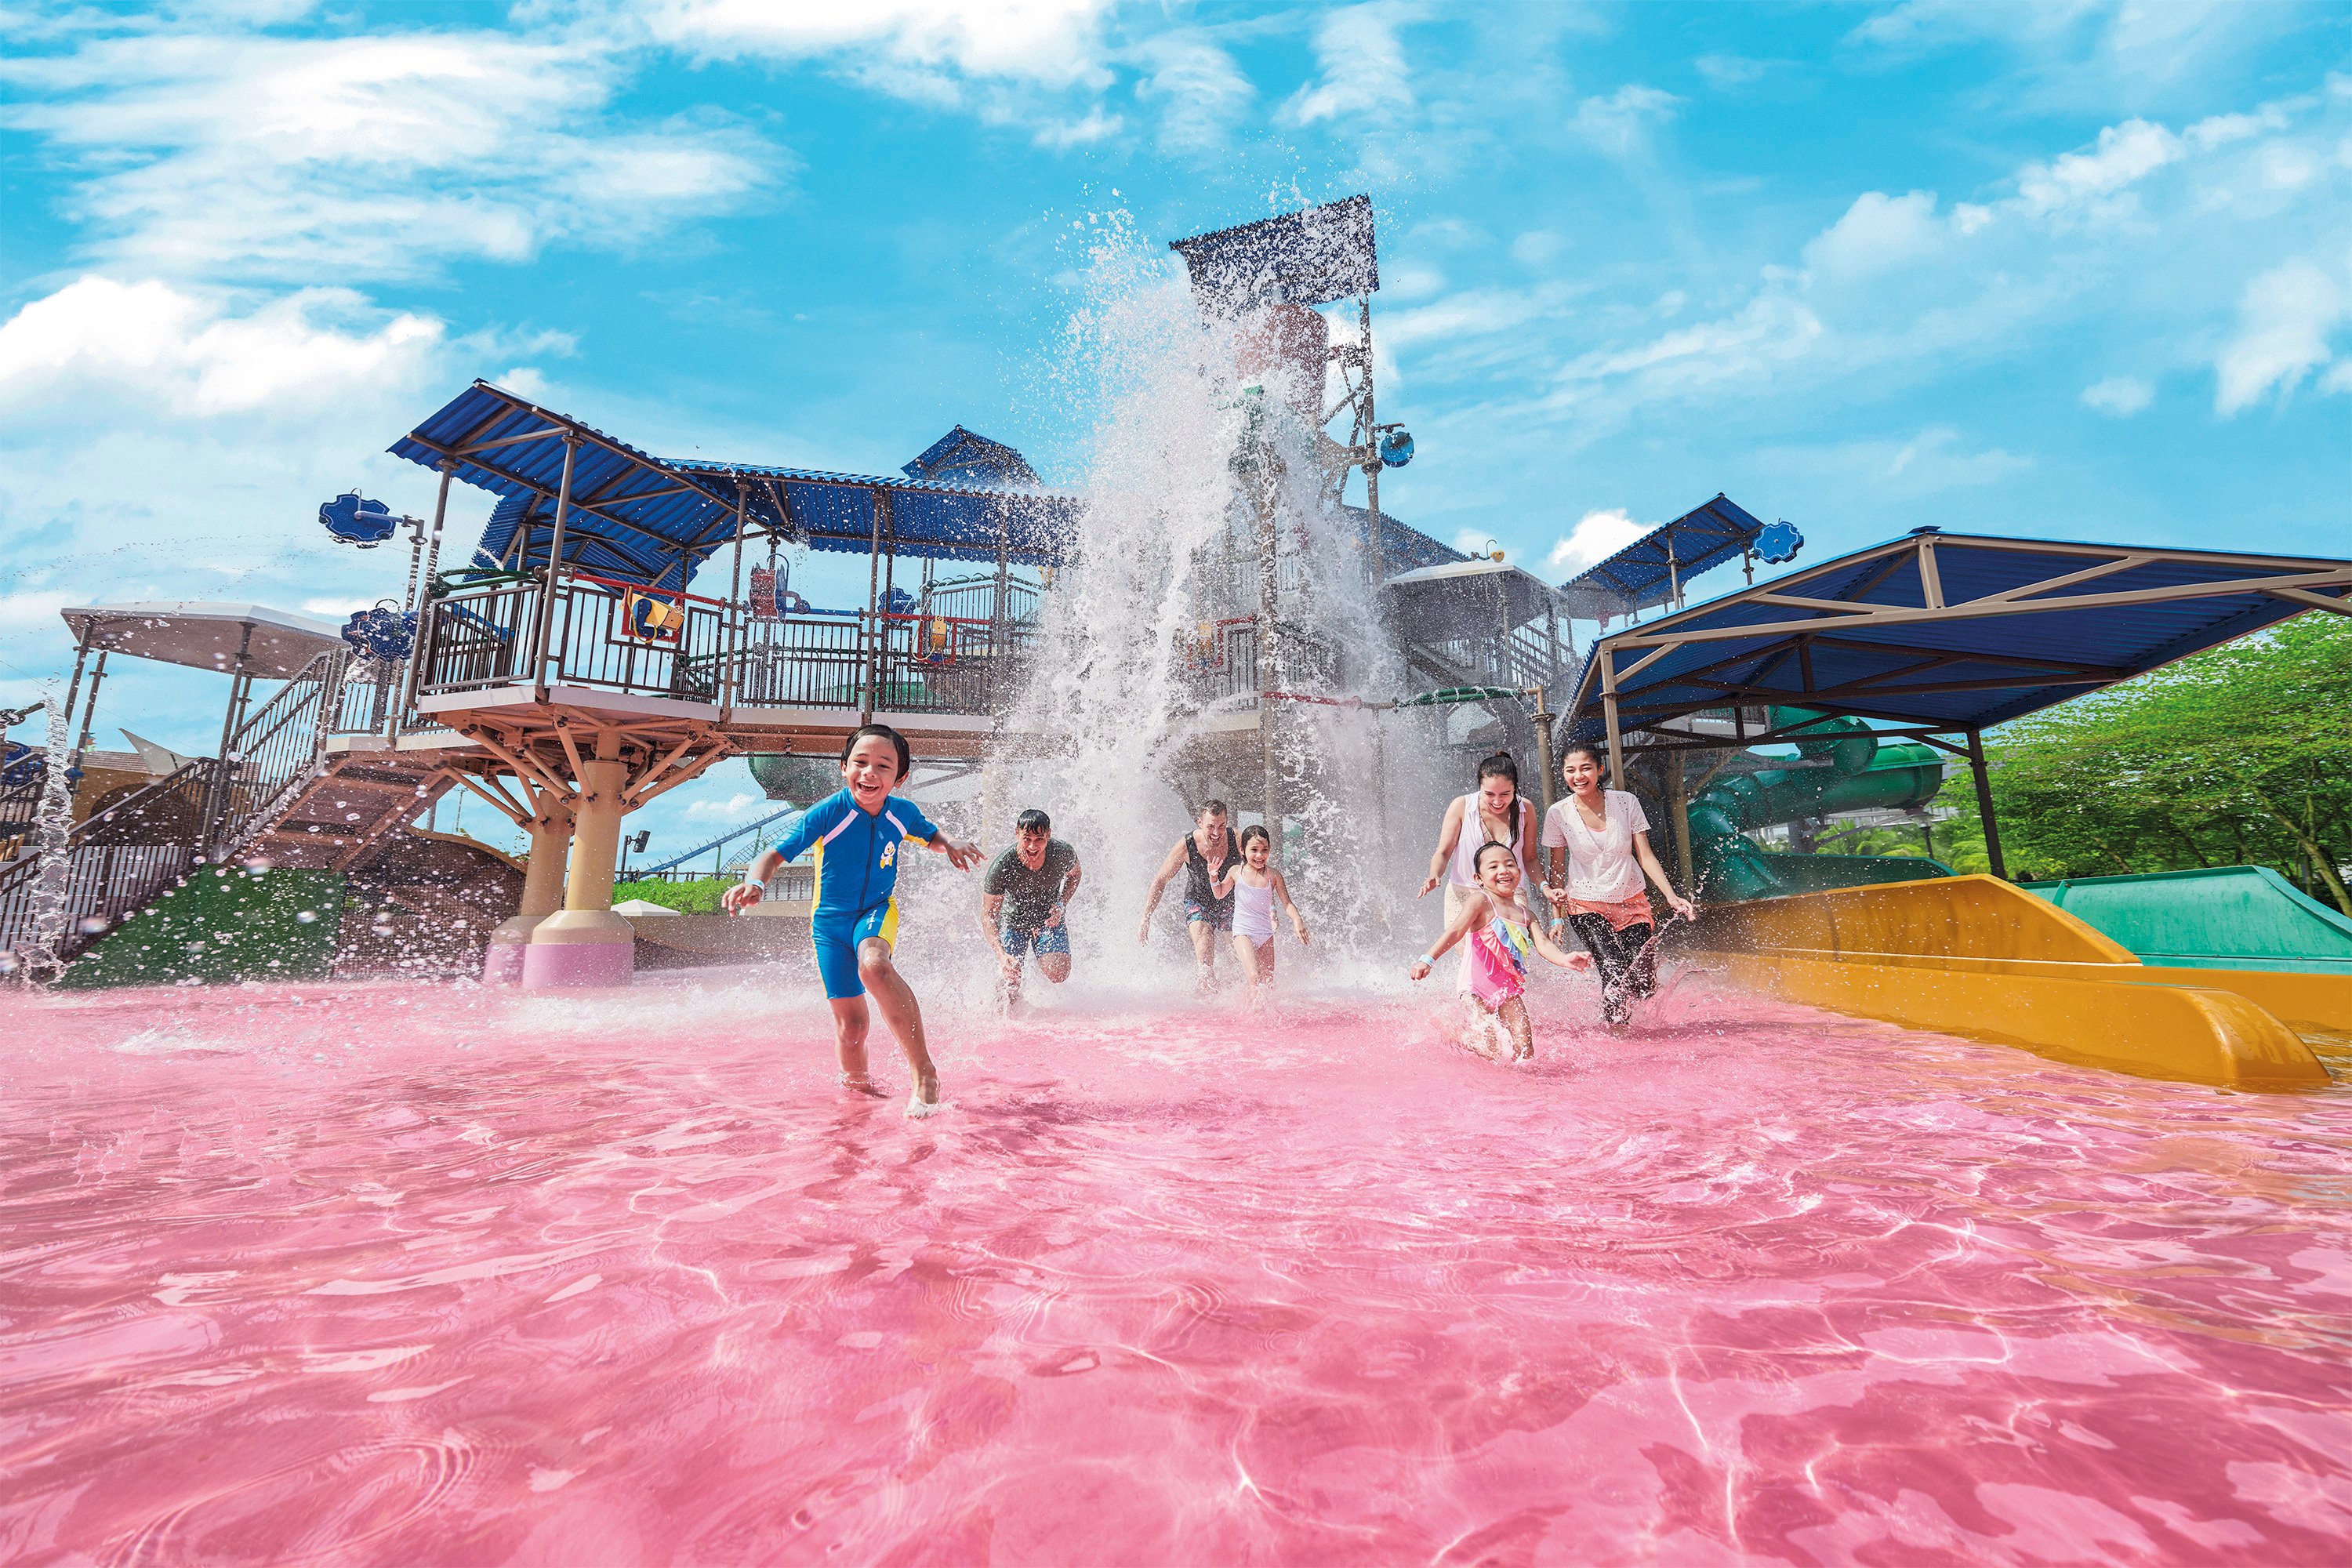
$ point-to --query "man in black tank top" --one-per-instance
(1205, 856)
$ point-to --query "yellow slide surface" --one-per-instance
(1975, 956)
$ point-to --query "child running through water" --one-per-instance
(1253, 886)
(1501, 931)
(858, 833)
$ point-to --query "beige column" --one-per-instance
(584, 942)
(542, 890)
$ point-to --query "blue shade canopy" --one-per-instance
(1403, 548)
(633, 517)
(852, 513)
(964, 456)
(1650, 570)
(640, 518)
(1310, 258)
(1951, 632)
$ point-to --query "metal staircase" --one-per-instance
(296, 786)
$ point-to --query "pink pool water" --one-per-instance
(408, 1275)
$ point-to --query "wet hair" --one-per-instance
(1033, 818)
(1499, 766)
(1210, 808)
(1479, 859)
(881, 732)
(1600, 759)
(1256, 832)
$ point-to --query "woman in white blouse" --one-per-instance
(1597, 844)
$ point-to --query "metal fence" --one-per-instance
(116, 862)
(275, 751)
(611, 636)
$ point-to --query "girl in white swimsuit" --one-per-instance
(1254, 886)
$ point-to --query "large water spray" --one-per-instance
(1208, 525)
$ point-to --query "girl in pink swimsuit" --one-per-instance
(1499, 933)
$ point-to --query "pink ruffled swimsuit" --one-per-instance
(1495, 962)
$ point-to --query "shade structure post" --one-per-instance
(1373, 440)
(584, 942)
(1984, 805)
(1678, 805)
(730, 630)
(1619, 774)
(544, 877)
(88, 710)
(423, 608)
(873, 627)
(540, 652)
(1269, 586)
(73, 687)
(1547, 773)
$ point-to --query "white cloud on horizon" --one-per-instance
(1362, 66)
(192, 355)
(2121, 395)
(1598, 535)
(2285, 322)
(1621, 124)
(363, 158)
(923, 48)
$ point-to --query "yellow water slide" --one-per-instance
(1977, 956)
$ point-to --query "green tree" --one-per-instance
(2240, 756)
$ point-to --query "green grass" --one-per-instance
(696, 898)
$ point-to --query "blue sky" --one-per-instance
(2077, 267)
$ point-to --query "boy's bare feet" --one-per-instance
(925, 1100)
(860, 1083)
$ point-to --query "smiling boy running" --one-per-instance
(858, 833)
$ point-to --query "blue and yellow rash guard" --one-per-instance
(858, 859)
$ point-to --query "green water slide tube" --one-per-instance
(1851, 771)
(2224, 917)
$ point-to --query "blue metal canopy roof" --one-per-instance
(1950, 632)
(910, 517)
(632, 516)
(968, 458)
(1653, 568)
(637, 518)
(1403, 548)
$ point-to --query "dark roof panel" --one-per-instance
(1953, 631)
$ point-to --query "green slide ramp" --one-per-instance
(222, 925)
(2227, 916)
(1850, 769)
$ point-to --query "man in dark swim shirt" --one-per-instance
(1022, 903)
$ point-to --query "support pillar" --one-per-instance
(1984, 805)
(584, 942)
(542, 894)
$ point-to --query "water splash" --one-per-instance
(1199, 461)
(52, 840)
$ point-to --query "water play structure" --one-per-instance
(626, 621)
(322, 1268)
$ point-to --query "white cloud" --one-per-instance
(1771, 329)
(1619, 124)
(1596, 536)
(1202, 92)
(192, 355)
(916, 45)
(366, 157)
(1878, 232)
(1726, 71)
(2284, 321)
(2126, 153)
(2121, 395)
(1363, 67)
(1475, 312)
(736, 808)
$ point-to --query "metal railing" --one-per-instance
(599, 633)
(275, 751)
(116, 861)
